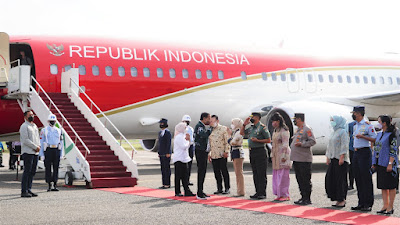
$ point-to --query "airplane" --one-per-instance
(136, 83)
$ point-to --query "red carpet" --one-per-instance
(305, 212)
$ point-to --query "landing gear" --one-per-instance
(69, 178)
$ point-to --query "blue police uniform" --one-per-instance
(362, 162)
(51, 148)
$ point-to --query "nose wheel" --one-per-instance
(69, 178)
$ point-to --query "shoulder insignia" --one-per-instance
(309, 133)
(367, 122)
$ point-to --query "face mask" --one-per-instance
(252, 120)
(214, 124)
(333, 123)
(379, 126)
(353, 116)
(52, 123)
(232, 126)
(187, 122)
(295, 123)
(163, 126)
(31, 118)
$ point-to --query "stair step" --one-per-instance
(98, 152)
(88, 138)
(106, 168)
(110, 174)
(98, 147)
(70, 111)
(114, 182)
(80, 128)
(83, 133)
(76, 115)
(95, 164)
(101, 157)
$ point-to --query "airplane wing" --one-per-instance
(388, 98)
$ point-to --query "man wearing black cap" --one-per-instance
(302, 157)
(164, 152)
(258, 136)
(364, 134)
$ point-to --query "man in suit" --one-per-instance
(164, 152)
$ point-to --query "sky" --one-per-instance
(332, 27)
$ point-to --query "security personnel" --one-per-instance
(302, 157)
(187, 119)
(258, 136)
(52, 145)
(363, 133)
(164, 153)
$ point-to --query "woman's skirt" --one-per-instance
(385, 179)
(281, 182)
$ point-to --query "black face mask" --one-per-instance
(252, 120)
(353, 116)
(187, 122)
(52, 123)
(31, 118)
(163, 126)
(295, 123)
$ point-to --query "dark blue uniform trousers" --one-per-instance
(362, 161)
(165, 170)
(51, 159)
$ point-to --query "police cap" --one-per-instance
(358, 108)
(256, 114)
(299, 115)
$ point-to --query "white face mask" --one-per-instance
(379, 126)
(232, 126)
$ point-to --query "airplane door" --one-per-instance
(4, 59)
(293, 80)
(310, 80)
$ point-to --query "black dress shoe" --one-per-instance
(218, 192)
(164, 187)
(33, 194)
(206, 195)
(54, 188)
(339, 206)
(190, 184)
(179, 195)
(356, 207)
(255, 196)
(26, 195)
(366, 209)
(389, 212)
(298, 202)
(190, 194)
(261, 197)
(381, 211)
(305, 202)
(227, 191)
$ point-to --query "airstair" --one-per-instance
(91, 151)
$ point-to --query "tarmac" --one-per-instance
(78, 205)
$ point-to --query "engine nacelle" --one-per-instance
(317, 116)
(149, 144)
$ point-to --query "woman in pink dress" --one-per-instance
(280, 155)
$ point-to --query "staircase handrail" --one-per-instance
(62, 115)
(107, 119)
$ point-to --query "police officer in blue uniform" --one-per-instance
(363, 133)
(164, 153)
(51, 142)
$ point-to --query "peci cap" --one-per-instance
(358, 108)
(299, 115)
(256, 114)
(163, 120)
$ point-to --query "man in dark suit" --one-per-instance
(164, 152)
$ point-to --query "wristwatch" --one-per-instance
(390, 163)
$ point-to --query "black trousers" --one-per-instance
(181, 174)
(201, 158)
(351, 173)
(336, 180)
(258, 161)
(51, 159)
(30, 165)
(303, 177)
(165, 170)
(221, 171)
(362, 161)
(191, 154)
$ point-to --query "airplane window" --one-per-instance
(198, 74)
(121, 71)
(373, 80)
(331, 78)
(357, 79)
(264, 76)
(172, 73)
(220, 74)
(348, 79)
(160, 73)
(398, 80)
(82, 70)
(273, 75)
(310, 78)
(390, 80)
(320, 78)
(243, 75)
(381, 80)
(209, 74)
(108, 70)
(292, 77)
(283, 76)
(185, 73)
(53, 69)
(365, 80)
(146, 72)
(67, 67)
(340, 78)
(133, 72)
(95, 70)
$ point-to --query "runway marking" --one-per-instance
(305, 212)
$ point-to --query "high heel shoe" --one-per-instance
(381, 211)
(389, 212)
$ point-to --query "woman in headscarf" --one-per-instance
(280, 155)
(385, 162)
(337, 159)
(180, 159)
(237, 154)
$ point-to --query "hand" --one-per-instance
(167, 155)
(341, 161)
(225, 155)
(253, 139)
(187, 137)
(373, 167)
(37, 149)
(298, 144)
(209, 158)
(283, 160)
(359, 136)
(247, 121)
(328, 161)
(389, 168)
